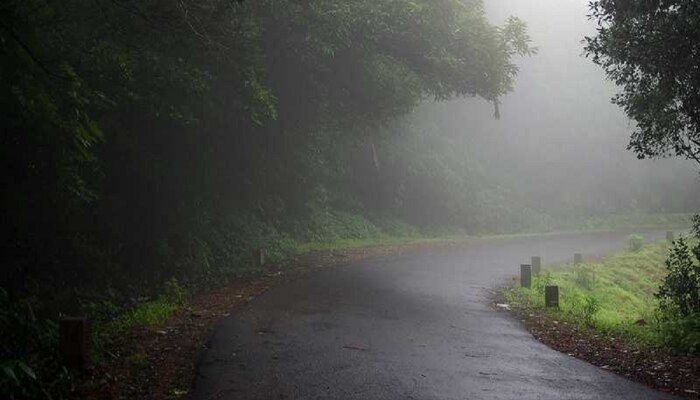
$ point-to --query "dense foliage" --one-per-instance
(680, 292)
(143, 134)
(650, 49)
(145, 140)
(679, 295)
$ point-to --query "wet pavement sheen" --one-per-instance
(411, 326)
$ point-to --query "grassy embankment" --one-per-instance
(615, 296)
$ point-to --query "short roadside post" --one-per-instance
(669, 236)
(73, 334)
(259, 258)
(525, 275)
(536, 265)
(551, 296)
(578, 259)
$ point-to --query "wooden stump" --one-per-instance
(551, 296)
(536, 265)
(526, 275)
(74, 342)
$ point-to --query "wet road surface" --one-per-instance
(411, 326)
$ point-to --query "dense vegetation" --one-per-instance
(145, 140)
(649, 49)
(149, 142)
(152, 139)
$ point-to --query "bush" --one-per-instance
(635, 242)
(682, 334)
(174, 293)
(680, 291)
(220, 250)
(30, 366)
(679, 298)
(328, 226)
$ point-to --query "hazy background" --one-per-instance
(559, 147)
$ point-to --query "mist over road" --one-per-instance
(412, 326)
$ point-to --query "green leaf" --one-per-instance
(26, 369)
(9, 373)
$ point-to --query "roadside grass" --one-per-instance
(614, 296)
(111, 322)
(151, 314)
(147, 315)
(392, 233)
(634, 221)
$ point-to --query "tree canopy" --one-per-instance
(132, 129)
(650, 49)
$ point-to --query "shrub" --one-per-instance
(680, 291)
(174, 293)
(679, 298)
(682, 334)
(222, 249)
(635, 242)
(30, 366)
(328, 226)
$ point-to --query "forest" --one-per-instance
(147, 142)
(159, 139)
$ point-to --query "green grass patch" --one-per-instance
(614, 296)
(621, 221)
(147, 315)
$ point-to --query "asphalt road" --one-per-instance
(412, 326)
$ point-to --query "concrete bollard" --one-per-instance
(669, 236)
(74, 342)
(258, 258)
(578, 259)
(536, 265)
(551, 296)
(526, 275)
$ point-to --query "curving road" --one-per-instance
(412, 326)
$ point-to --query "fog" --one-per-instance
(164, 163)
(560, 145)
